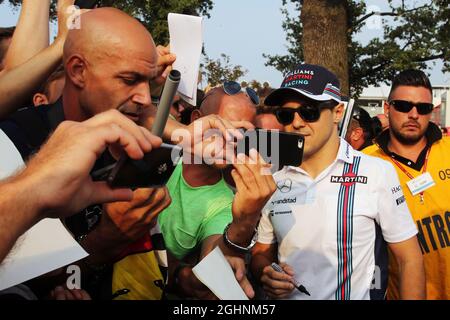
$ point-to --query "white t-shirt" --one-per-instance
(325, 227)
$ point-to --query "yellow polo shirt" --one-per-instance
(432, 217)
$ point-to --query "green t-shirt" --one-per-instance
(194, 214)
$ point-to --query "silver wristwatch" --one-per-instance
(237, 247)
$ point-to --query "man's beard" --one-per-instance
(407, 140)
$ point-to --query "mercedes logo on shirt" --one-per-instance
(284, 185)
(162, 168)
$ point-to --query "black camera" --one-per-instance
(152, 171)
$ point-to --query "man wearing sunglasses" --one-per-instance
(416, 148)
(324, 222)
(203, 203)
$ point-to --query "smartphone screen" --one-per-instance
(276, 147)
(152, 171)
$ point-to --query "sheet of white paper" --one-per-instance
(215, 272)
(186, 41)
(45, 247)
(10, 160)
(192, 101)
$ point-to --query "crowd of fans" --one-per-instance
(335, 224)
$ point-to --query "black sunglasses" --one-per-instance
(232, 87)
(423, 108)
(308, 112)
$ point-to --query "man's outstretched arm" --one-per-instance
(26, 69)
(31, 35)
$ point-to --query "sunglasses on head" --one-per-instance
(423, 108)
(308, 112)
(232, 87)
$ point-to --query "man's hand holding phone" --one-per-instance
(123, 223)
(69, 155)
(152, 171)
(254, 187)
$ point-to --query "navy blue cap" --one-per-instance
(363, 118)
(306, 80)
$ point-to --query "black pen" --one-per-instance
(119, 293)
(299, 287)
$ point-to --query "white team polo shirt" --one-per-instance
(325, 227)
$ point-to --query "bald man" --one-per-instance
(203, 203)
(109, 63)
(266, 119)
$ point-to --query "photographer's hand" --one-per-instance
(254, 187)
(57, 181)
(123, 223)
(164, 65)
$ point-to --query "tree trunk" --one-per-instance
(325, 37)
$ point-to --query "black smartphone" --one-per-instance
(152, 171)
(276, 147)
(86, 4)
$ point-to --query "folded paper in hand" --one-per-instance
(215, 272)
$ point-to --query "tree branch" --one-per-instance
(377, 68)
(433, 57)
(387, 62)
(393, 14)
(407, 43)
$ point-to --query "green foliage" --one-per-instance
(152, 13)
(413, 35)
(217, 71)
